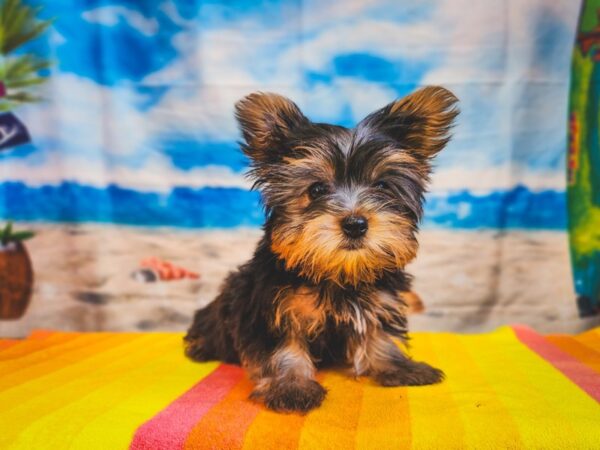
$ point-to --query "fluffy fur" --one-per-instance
(321, 288)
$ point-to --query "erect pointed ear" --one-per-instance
(266, 120)
(420, 122)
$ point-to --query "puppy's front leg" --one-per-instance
(380, 358)
(286, 380)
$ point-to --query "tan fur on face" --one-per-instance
(315, 248)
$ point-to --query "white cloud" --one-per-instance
(88, 122)
(87, 118)
(110, 16)
(170, 9)
(486, 180)
(157, 174)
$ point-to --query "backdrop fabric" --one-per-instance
(135, 187)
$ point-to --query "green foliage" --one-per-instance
(8, 235)
(18, 25)
(584, 215)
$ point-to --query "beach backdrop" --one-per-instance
(127, 166)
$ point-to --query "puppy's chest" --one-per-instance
(304, 311)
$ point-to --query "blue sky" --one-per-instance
(142, 92)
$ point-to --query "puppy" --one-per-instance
(325, 284)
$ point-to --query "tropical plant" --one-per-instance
(8, 235)
(18, 73)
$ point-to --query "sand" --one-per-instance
(470, 281)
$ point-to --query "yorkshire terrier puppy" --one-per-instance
(325, 284)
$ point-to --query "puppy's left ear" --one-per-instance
(420, 122)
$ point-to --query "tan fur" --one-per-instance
(413, 302)
(262, 115)
(301, 311)
(436, 106)
(291, 361)
(315, 248)
(398, 158)
(372, 354)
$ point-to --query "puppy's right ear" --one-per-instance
(266, 121)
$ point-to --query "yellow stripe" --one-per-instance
(548, 409)
(487, 423)
(435, 417)
(30, 401)
(333, 425)
(115, 410)
(384, 419)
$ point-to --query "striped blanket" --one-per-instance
(511, 388)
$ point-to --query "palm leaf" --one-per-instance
(23, 66)
(22, 97)
(6, 106)
(6, 10)
(18, 39)
(17, 84)
(21, 236)
(18, 25)
(7, 232)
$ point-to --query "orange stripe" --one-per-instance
(43, 334)
(5, 343)
(225, 425)
(577, 350)
(28, 363)
(334, 424)
(590, 338)
(29, 347)
(275, 431)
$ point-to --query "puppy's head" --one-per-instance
(344, 204)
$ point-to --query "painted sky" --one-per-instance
(142, 92)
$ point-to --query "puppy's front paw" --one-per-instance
(294, 396)
(411, 373)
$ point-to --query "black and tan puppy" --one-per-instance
(324, 284)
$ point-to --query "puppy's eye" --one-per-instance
(317, 190)
(382, 185)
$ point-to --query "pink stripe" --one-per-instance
(577, 372)
(170, 427)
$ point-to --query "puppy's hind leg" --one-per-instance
(203, 336)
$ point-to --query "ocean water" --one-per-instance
(232, 207)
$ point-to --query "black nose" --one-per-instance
(355, 226)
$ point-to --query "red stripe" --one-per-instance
(170, 428)
(577, 372)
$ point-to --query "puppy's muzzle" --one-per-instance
(355, 226)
